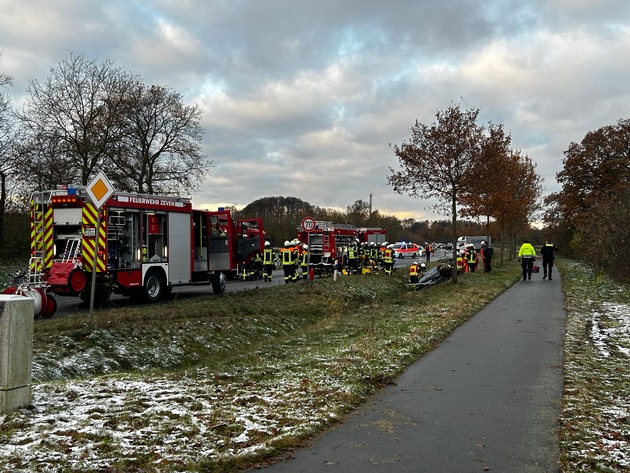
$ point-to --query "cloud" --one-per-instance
(304, 98)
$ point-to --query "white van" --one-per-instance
(463, 241)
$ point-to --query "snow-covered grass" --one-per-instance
(595, 432)
(220, 383)
(223, 383)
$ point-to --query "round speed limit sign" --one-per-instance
(308, 224)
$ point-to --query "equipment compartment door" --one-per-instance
(220, 259)
(179, 250)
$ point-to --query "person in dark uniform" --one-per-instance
(486, 256)
(547, 253)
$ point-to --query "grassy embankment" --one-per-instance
(295, 359)
(273, 366)
(595, 421)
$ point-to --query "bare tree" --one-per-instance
(161, 147)
(71, 122)
(6, 145)
(438, 160)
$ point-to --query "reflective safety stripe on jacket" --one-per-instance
(471, 256)
(413, 270)
(304, 260)
(389, 255)
(287, 256)
(527, 251)
(268, 256)
(352, 252)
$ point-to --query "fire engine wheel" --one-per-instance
(154, 287)
(218, 283)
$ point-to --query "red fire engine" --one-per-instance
(372, 235)
(327, 244)
(147, 244)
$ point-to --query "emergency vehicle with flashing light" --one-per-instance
(402, 249)
(143, 247)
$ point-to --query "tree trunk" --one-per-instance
(454, 235)
(502, 242)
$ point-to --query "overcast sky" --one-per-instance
(302, 98)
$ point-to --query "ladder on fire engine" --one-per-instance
(72, 251)
(37, 231)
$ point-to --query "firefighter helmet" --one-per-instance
(423, 266)
(286, 243)
(267, 243)
(305, 247)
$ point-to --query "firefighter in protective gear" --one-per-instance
(353, 258)
(414, 273)
(287, 253)
(461, 262)
(257, 266)
(373, 255)
(268, 262)
(304, 261)
(423, 268)
(471, 257)
(381, 255)
(388, 259)
(363, 255)
(527, 256)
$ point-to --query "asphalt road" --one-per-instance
(486, 399)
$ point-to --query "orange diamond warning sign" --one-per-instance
(100, 189)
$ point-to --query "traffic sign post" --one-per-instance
(308, 225)
(99, 190)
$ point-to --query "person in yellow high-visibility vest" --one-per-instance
(414, 273)
(353, 258)
(288, 262)
(268, 262)
(388, 259)
(471, 257)
(304, 261)
(527, 256)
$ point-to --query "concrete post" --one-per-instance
(16, 351)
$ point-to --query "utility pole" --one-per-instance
(371, 203)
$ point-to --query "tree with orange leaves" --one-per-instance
(505, 186)
(437, 160)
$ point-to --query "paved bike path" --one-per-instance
(486, 399)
